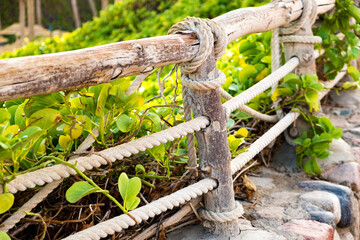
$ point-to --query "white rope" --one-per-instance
(250, 111)
(135, 85)
(59, 171)
(28, 206)
(261, 86)
(223, 216)
(143, 213)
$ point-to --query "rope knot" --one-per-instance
(211, 35)
(223, 216)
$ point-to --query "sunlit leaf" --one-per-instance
(6, 202)
(79, 190)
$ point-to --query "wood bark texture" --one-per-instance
(93, 8)
(104, 4)
(76, 13)
(304, 51)
(22, 20)
(38, 12)
(214, 154)
(74, 69)
(31, 17)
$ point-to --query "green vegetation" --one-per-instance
(42, 131)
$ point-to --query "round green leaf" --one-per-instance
(4, 236)
(6, 201)
(79, 190)
(124, 123)
(44, 118)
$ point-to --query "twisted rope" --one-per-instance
(211, 36)
(250, 111)
(57, 172)
(261, 86)
(143, 213)
(28, 206)
(223, 216)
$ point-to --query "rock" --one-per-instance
(264, 183)
(354, 118)
(283, 198)
(341, 152)
(345, 234)
(344, 195)
(271, 213)
(324, 200)
(345, 174)
(338, 121)
(319, 214)
(356, 151)
(284, 159)
(310, 230)
(200, 233)
(349, 99)
(258, 234)
(336, 236)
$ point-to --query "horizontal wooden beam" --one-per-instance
(42, 74)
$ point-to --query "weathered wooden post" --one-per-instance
(203, 95)
(22, 20)
(76, 13)
(31, 18)
(38, 12)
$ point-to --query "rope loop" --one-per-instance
(211, 35)
(204, 85)
(223, 216)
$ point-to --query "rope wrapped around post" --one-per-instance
(283, 35)
(200, 75)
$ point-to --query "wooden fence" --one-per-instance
(35, 75)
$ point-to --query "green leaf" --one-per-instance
(19, 116)
(64, 141)
(139, 169)
(129, 189)
(103, 95)
(6, 202)
(4, 115)
(354, 12)
(234, 142)
(326, 124)
(124, 123)
(293, 78)
(324, 155)
(311, 97)
(79, 190)
(337, 133)
(154, 118)
(354, 73)
(40, 102)
(157, 152)
(132, 204)
(242, 132)
(315, 166)
(281, 92)
(324, 137)
(76, 130)
(246, 72)
(4, 236)
(44, 118)
(308, 167)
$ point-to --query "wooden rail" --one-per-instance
(36, 75)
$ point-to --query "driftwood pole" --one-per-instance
(22, 20)
(38, 12)
(93, 8)
(104, 4)
(214, 154)
(76, 13)
(31, 18)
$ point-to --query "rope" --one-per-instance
(59, 171)
(211, 36)
(143, 213)
(223, 216)
(261, 86)
(250, 111)
(28, 206)
(135, 85)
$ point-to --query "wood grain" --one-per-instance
(36, 75)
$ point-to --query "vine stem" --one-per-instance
(89, 180)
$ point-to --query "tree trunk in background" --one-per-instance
(76, 13)
(93, 8)
(104, 4)
(38, 12)
(31, 18)
(22, 19)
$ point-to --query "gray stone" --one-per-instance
(350, 99)
(345, 234)
(264, 183)
(324, 200)
(271, 213)
(284, 159)
(259, 235)
(347, 174)
(341, 152)
(344, 195)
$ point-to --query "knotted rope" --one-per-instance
(281, 35)
(211, 36)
